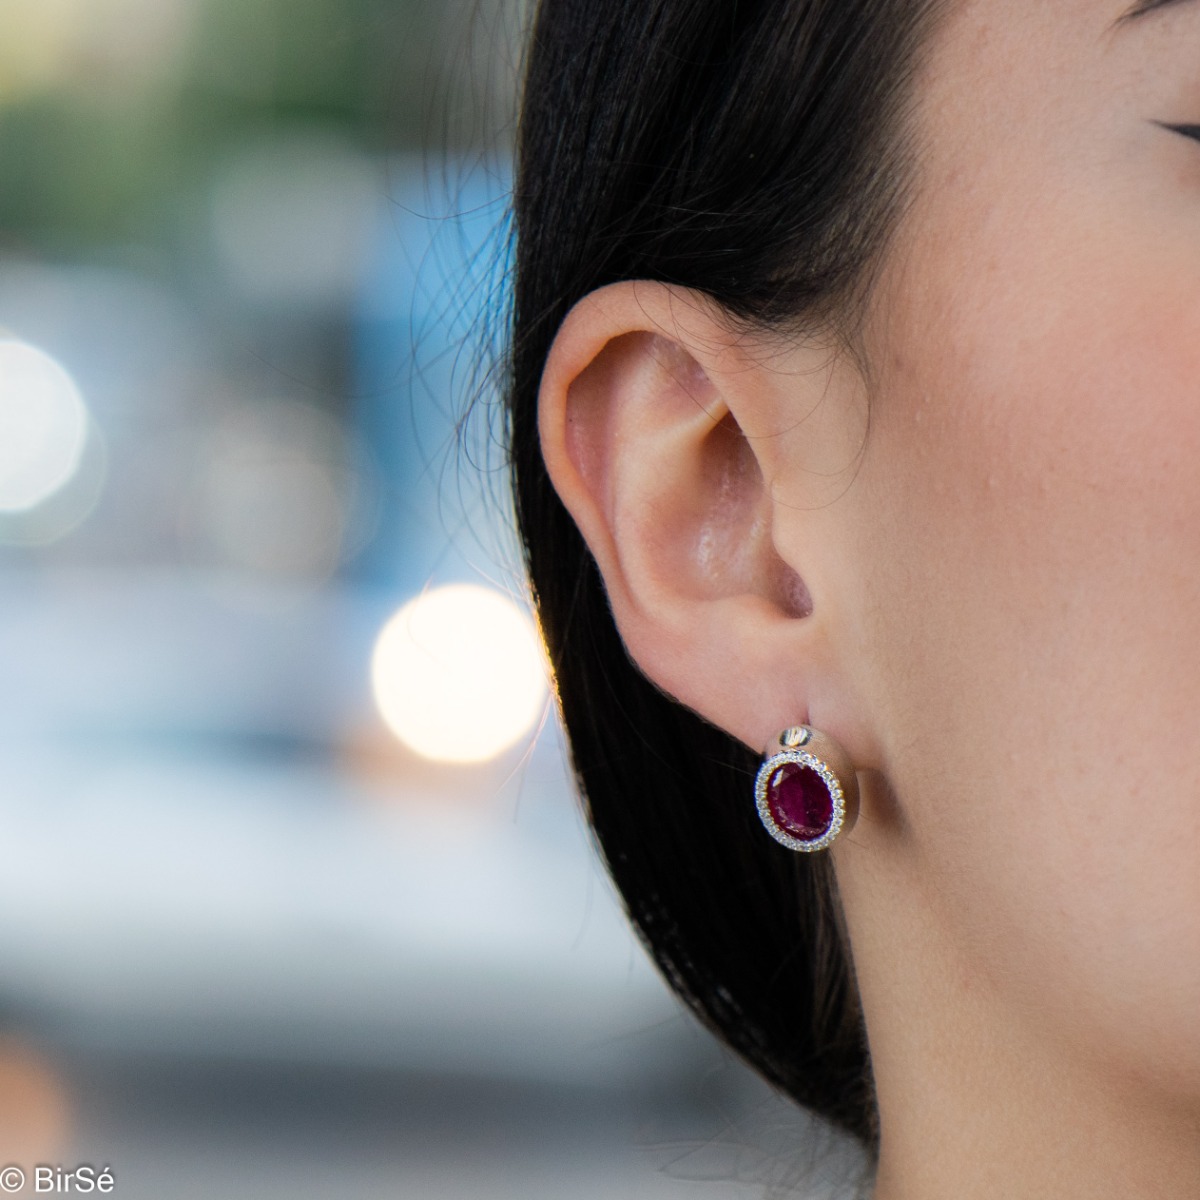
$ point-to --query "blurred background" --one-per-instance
(295, 898)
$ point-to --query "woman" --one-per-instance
(856, 386)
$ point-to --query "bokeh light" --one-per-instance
(279, 490)
(49, 43)
(43, 426)
(291, 218)
(458, 674)
(34, 1106)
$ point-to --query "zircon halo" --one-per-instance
(788, 795)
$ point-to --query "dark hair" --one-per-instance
(757, 152)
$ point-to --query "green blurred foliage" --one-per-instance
(96, 153)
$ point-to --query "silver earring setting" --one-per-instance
(806, 790)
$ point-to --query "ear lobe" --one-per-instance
(643, 411)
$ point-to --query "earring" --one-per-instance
(806, 789)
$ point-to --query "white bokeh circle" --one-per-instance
(458, 674)
(43, 426)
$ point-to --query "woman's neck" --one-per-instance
(982, 1097)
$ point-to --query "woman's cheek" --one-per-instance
(1030, 508)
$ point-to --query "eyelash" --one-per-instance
(1188, 131)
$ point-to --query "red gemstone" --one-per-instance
(799, 801)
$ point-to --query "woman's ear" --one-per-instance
(674, 441)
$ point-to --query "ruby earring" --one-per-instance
(806, 790)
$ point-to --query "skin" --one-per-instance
(976, 563)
